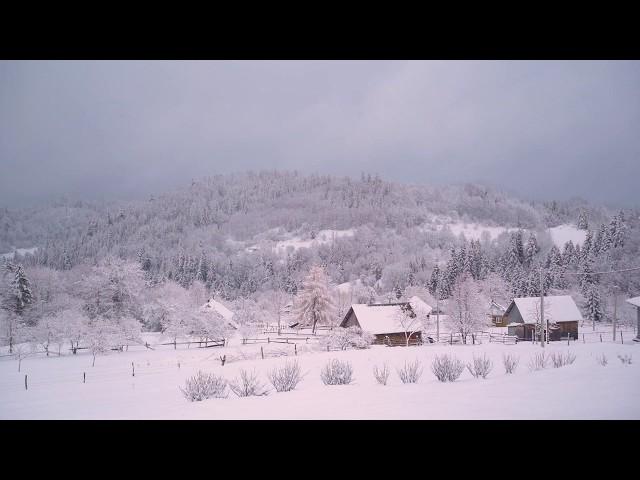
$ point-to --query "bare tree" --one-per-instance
(410, 322)
(314, 302)
(467, 308)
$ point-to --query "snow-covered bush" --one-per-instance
(625, 359)
(481, 366)
(411, 372)
(286, 377)
(447, 368)
(248, 385)
(539, 361)
(382, 375)
(337, 372)
(602, 360)
(204, 385)
(510, 363)
(346, 338)
(559, 360)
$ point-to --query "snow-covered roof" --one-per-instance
(498, 306)
(635, 301)
(560, 308)
(378, 319)
(420, 306)
(222, 310)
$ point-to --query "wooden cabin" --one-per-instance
(390, 323)
(497, 315)
(635, 301)
(560, 311)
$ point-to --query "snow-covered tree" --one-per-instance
(583, 223)
(410, 321)
(314, 304)
(101, 335)
(467, 308)
(593, 303)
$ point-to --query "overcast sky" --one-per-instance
(127, 129)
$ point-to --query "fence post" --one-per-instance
(600, 338)
(583, 338)
(451, 339)
(621, 338)
(473, 338)
(84, 377)
(295, 348)
(568, 337)
(262, 352)
(133, 370)
(25, 382)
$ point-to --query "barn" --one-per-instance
(388, 322)
(560, 311)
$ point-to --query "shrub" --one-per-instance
(345, 338)
(481, 366)
(411, 372)
(381, 375)
(559, 360)
(625, 359)
(510, 363)
(447, 368)
(539, 361)
(336, 373)
(248, 385)
(286, 377)
(204, 385)
(602, 360)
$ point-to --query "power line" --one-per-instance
(603, 273)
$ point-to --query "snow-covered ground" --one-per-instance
(563, 233)
(323, 236)
(471, 231)
(295, 242)
(583, 390)
(19, 251)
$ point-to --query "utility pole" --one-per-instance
(615, 310)
(437, 315)
(541, 306)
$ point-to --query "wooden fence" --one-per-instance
(289, 340)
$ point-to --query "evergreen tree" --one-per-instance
(531, 249)
(434, 280)
(583, 224)
(593, 303)
(568, 254)
(20, 296)
(587, 245)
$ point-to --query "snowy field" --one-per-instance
(470, 231)
(18, 251)
(563, 233)
(583, 390)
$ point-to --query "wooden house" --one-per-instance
(560, 312)
(390, 323)
(213, 306)
(497, 315)
(635, 301)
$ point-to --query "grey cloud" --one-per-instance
(125, 129)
